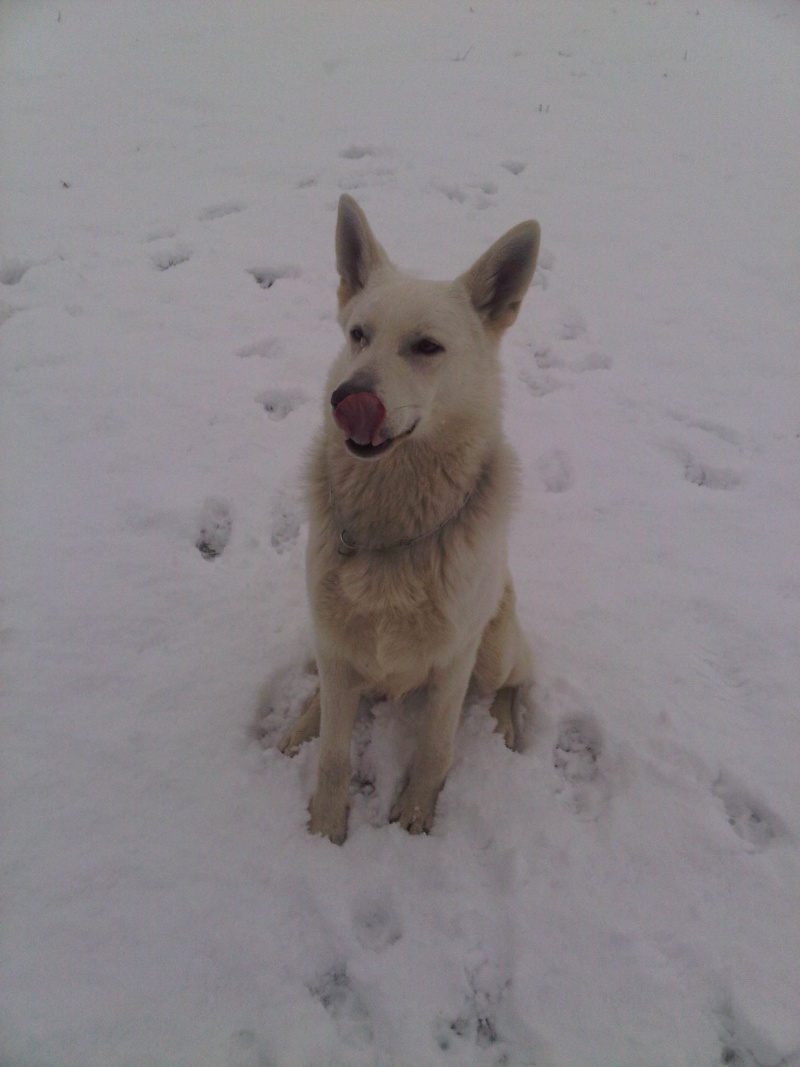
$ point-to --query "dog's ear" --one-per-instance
(498, 281)
(357, 251)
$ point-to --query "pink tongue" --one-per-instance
(361, 416)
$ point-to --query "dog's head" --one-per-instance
(418, 352)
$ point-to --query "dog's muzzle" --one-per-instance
(360, 416)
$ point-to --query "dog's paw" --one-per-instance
(412, 813)
(305, 728)
(508, 709)
(328, 820)
(508, 732)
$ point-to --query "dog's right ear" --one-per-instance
(357, 251)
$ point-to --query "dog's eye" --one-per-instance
(426, 346)
(358, 337)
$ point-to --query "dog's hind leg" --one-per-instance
(504, 665)
(502, 711)
(304, 728)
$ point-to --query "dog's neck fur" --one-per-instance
(362, 495)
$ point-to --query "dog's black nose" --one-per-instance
(359, 383)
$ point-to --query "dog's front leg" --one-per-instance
(447, 688)
(339, 696)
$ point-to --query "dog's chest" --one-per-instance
(392, 620)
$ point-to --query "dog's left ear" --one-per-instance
(498, 281)
(358, 254)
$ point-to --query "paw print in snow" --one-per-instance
(376, 922)
(577, 749)
(287, 515)
(267, 276)
(220, 211)
(576, 756)
(12, 271)
(748, 818)
(170, 257)
(555, 471)
(215, 529)
(343, 1002)
(278, 403)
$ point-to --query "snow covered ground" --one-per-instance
(626, 891)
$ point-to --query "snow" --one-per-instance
(625, 892)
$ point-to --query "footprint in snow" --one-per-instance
(574, 330)
(287, 513)
(367, 177)
(220, 211)
(514, 166)
(344, 1003)
(748, 818)
(278, 403)
(12, 271)
(577, 749)
(539, 382)
(568, 352)
(742, 1045)
(170, 257)
(476, 1024)
(163, 233)
(555, 471)
(285, 529)
(576, 756)
(705, 475)
(546, 359)
(452, 191)
(268, 348)
(486, 191)
(544, 266)
(710, 477)
(488, 1021)
(267, 276)
(376, 922)
(214, 528)
(708, 426)
(355, 151)
(593, 361)
(573, 325)
(473, 1026)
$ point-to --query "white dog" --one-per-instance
(411, 485)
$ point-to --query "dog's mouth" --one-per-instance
(371, 451)
(361, 415)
